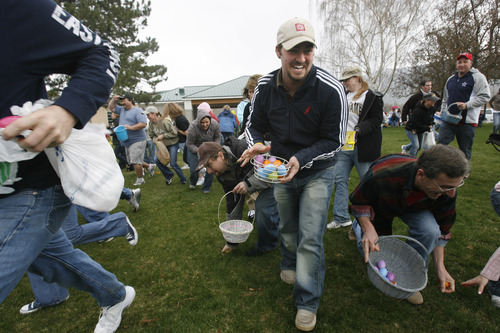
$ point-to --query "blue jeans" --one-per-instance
(100, 225)
(150, 152)
(464, 134)
(193, 175)
(347, 159)
(266, 219)
(46, 294)
(423, 227)
(303, 208)
(30, 239)
(167, 173)
(496, 122)
(495, 200)
(126, 194)
(415, 142)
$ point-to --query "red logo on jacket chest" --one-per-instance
(307, 110)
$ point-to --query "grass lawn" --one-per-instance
(184, 284)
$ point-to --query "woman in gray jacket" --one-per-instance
(202, 129)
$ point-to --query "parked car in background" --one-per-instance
(488, 116)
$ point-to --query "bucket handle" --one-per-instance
(449, 106)
(410, 239)
(218, 209)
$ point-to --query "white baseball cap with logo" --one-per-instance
(294, 32)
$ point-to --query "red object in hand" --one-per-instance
(4, 122)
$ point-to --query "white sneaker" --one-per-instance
(135, 199)
(403, 150)
(200, 181)
(139, 182)
(335, 225)
(495, 300)
(151, 169)
(251, 213)
(111, 316)
(203, 171)
(30, 308)
(185, 166)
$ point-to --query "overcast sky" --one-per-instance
(212, 41)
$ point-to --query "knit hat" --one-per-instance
(204, 106)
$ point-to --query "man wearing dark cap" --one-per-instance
(468, 91)
(222, 161)
(305, 111)
(134, 121)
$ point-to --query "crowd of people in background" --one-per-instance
(333, 125)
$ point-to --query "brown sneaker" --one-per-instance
(227, 249)
(305, 320)
(288, 276)
(352, 235)
(416, 298)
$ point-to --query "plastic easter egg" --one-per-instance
(281, 170)
(269, 168)
(381, 264)
(390, 276)
(273, 175)
(277, 163)
(261, 173)
(383, 271)
(259, 159)
(271, 159)
(266, 162)
(4, 122)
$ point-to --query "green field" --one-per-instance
(184, 283)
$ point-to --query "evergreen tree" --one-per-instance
(119, 21)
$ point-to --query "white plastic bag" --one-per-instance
(87, 166)
(428, 140)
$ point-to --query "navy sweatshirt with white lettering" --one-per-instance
(38, 38)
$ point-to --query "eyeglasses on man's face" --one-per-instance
(448, 189)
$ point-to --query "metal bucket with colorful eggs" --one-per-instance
(407, 268)
(270, 169)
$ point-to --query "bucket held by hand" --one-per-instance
(121, 133)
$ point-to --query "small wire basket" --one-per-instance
(234, 231)
(449, 117)
(269, 169)
(404, 262)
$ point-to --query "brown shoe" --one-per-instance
(288, 276)
(416, 298)
(227, 249)
(305, 320)
(352, 235)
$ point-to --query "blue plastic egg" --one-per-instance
(270, 168)
(383, 271)
(281, 170)
(261, 173)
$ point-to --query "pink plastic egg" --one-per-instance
(381, 264)
(272, 159)
(259, 159)
(391, 277)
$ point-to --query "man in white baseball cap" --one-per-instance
(305, 111)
